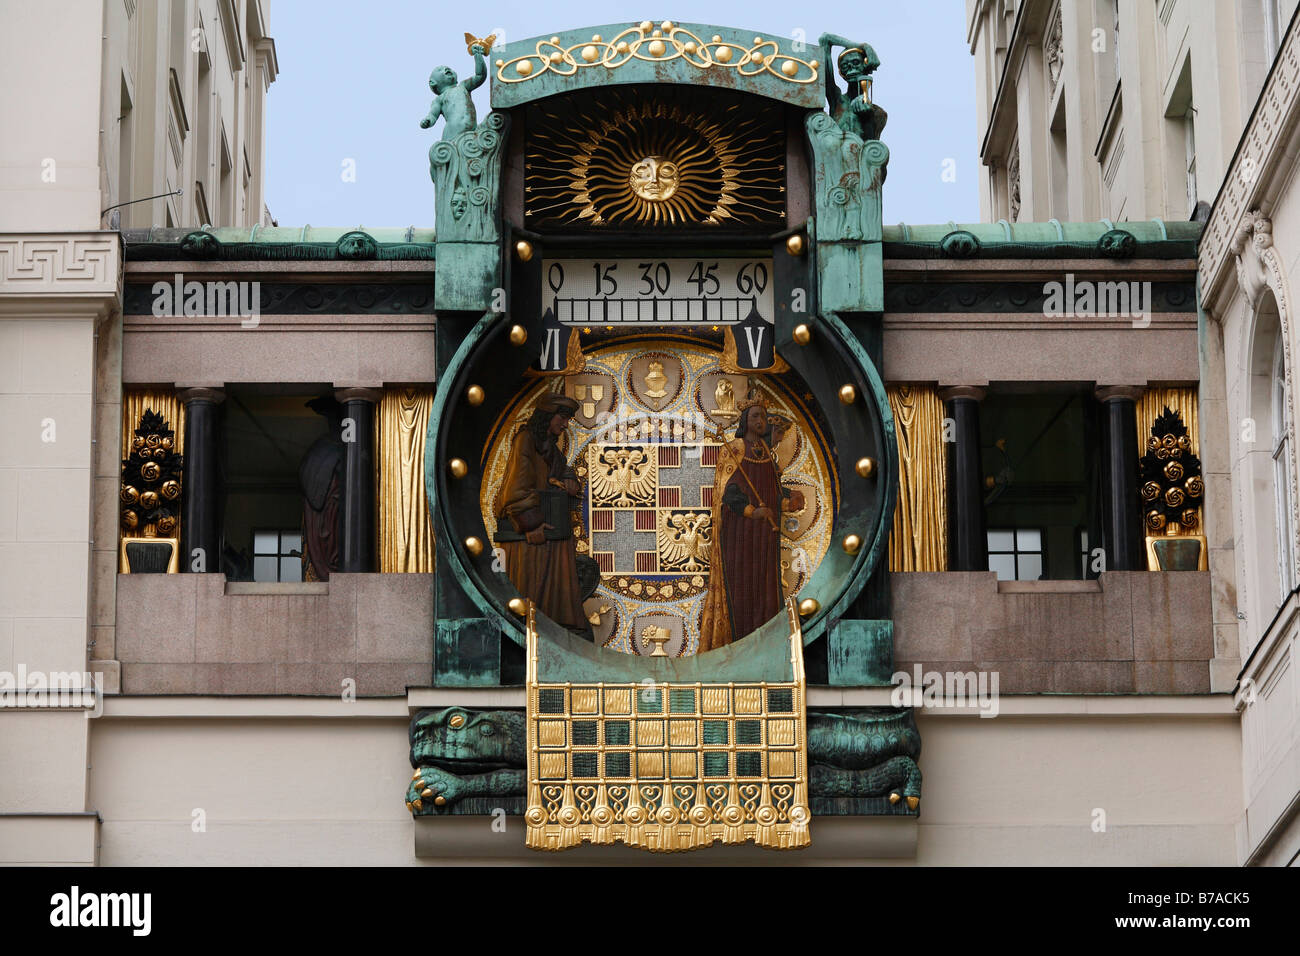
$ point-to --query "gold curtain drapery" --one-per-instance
(1153, 402)
(918, 540)
(405, 531)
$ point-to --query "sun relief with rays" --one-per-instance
(649, 156)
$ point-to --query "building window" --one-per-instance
(1016, 554)
(277, 555)
(1039, 451)
(1281, 450)
(1189, 140)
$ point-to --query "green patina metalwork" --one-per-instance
(476, 761)
(236, 245)
(864, 753)
(798, 84)
(470, 758)
(1153, 239)
(465, 166)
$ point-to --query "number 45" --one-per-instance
(700, 275)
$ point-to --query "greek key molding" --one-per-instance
(70, 264)
(1256, 162)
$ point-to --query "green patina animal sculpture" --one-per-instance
(461, 754)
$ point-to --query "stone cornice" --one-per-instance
(1260, 162)
(60, 273)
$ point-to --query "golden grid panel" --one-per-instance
(550, 733)
(668, 767)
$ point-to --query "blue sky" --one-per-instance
(353, 86)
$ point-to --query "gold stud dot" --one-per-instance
(517, 606)
(474, 546)
(866, 467)
(556, 56)
(645, 26)
(723, 55)
(589, 53)
(595, 38)
(789, 68)
(794, 245)
(622, 46)
(475, 395)
(690, 46)
(657, 48)
(666, 26)
(555, 41)
(439, 801)
(848, 394)
(808, 607)
(518, 335)
(852, 544)
(458, 467)
(426, 792)
(524, 250)
(500, 63)
(457, 720)
(524, 67)
(418, 804)
(802, 334)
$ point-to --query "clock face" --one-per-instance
(646, 291)
(645, 442)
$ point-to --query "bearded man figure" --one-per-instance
(534, 528)
(745, 555)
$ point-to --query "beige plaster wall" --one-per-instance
(328, 789)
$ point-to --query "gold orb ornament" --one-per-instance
(474, 546)
(475, 395)
(589, 54)
(848, 394)
(808, 607)
(524, 67)
(802, 334)
(457, 720)
(518, 335)
(794, 245)
(852, 544)
(524, 250)
(866, 467)
(517, 606)
(657, 48)
(458, 467)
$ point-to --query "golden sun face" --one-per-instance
(654, 178)
(652, 159)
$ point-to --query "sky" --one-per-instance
(353, 87)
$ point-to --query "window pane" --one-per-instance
(291, 569)
(1000, 541)
(1031, 567)
(264, 542)
(1029, 539)
(264, 569)
(290, 542)
(1004, 565)
(1083, 541)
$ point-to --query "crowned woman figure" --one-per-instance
(745, 554)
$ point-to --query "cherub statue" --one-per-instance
(452, 100)
(853, 109)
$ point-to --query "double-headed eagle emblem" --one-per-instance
(684, 540)
(623, 477)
